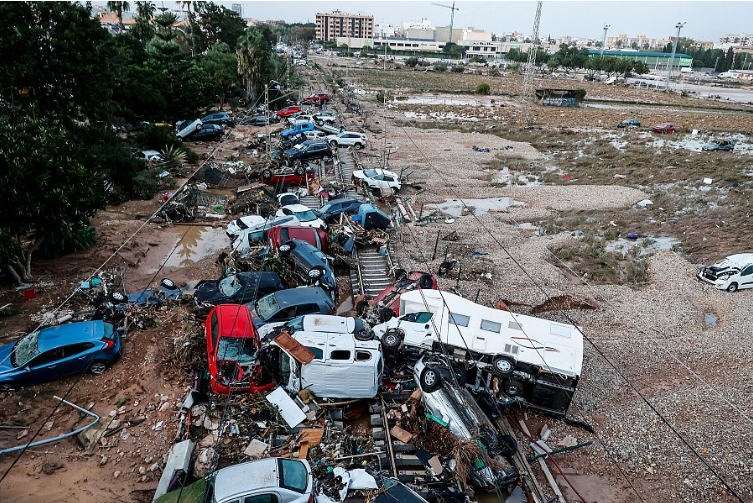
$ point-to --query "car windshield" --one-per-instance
(26, 349)
(293, 475)
(288, 199)
(229, 286)
(305, 216)
(325, 208)
(267, 307)
(370, 172)
(295, 324)
(236, 349)
(241, 224)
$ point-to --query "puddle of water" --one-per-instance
(454, 207)
(646, 245)
(710, 319)
(695, 143)
(504, 176)
(198, 243)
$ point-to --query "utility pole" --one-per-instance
(266, 109)
(672, 58)
(385, 58)
(604, 39)
(527, 94)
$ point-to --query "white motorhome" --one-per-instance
(342, 367)
(733, 273)
(534, 359)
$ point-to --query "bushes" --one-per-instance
(411, 62)
(458, 69)
(146, 183)
(483, 88)
(157, 138)
(381, 96)
(440, 67)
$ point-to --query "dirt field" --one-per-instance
(559, 200)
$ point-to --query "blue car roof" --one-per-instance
(296, 296)
(71, 333)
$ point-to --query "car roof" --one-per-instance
(333, 341)
(241, 478)
(70, 333)
(298, 208)
(234, 320)
(300, 295)
(739, 259)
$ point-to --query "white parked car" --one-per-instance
(237, 226)
(303, 214)
(287, 198)
(733, 273)
(147, 155)
(324, 118)
(347, 139)
(277, 480)
(378, 179)
(314, 135)
(186, 128)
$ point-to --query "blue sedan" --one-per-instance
(56, 352)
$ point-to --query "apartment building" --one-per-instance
(340, 24)
(741, 40)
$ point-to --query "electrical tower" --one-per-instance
(530, 65)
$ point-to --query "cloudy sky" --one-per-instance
(705, 20)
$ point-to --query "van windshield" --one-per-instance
(293, 475)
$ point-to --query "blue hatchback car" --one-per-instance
(56, 352)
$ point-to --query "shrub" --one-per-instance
(411, 62)
(458, 69)
(381, 96)
(440, 68)
(483, 88)
(146, 183)
(157, 138)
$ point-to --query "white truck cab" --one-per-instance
(343, 366)
(733, 273)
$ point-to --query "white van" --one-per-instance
(733, 273)
(319, 323)
(343, 366)
(536, 360)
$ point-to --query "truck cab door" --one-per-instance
(417, 328)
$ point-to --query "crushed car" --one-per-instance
(303, 214)
(731, 274)
(377, 179)
(277, 236)
(285, 305)
(237, 288)
(309, 265)
(386, 305)
(270, 480)
(719, 146)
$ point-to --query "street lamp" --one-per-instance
(672, 58)
(604, 39)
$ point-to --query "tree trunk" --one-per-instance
(13, 273)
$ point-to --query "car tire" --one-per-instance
(362, 306)
(300, 171)
(401, 274)
(364, 335)
(430, 379)
(392, 339)
(315, 278)
(732, 288)
(512, 388)
(426, 282)
(98, 368)
(507, 446)
(118, 297)
(502, 366)
(358, 146)
(386, 314)
(167, 283)
(319, 123)
(286, 248)
(266, 174)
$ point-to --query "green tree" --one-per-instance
(453, 50)
(142, 29)
(221, 65)
(118, 8)
(48, 193)
(255, 55)
(220, 24)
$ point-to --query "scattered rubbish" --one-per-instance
(255, 448)
(289, 411)
(178, 461)
(645, 203)
(708, 181)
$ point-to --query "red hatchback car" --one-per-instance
(315, 237)
(288, 111)
(317, 98)
(232, 344)
(387, 303)
(664, 128)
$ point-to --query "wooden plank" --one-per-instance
(401, 434)
(295, 349)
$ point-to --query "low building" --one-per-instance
(741, 40)
(474, 35)
(654, 60)
(442, 34)
(746, 75)
(355, 43)
(408, 44)
(493, 51)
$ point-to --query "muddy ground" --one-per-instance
(560, 199)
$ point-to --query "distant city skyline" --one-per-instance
(560, 18)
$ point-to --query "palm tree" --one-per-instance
(145, 10)
(254, 52)
(118, 8)
(191, 8)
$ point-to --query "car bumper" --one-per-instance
(719, 285)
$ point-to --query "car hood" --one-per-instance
(208, 291)
(5, 351)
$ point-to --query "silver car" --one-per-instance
(277, 480)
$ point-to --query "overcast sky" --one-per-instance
(705, 20)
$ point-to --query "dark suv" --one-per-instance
(285, 305)
(310, 150)
(309, 265)
(333, 209)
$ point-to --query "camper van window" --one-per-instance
(318, 353)
(460, 320)
(363, 356)
(491, 326)
(339, 354)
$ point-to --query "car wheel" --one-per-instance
(98, 368)
(364, 335)
(300, 171)
(333, 144)
(266, 174)
(430, 379)
(319, 123)
(507, 446)
(503, 366)
(513, 388)
(732, 288)
(285, 249)
(401, 274)
(358, 146)
(362, 306)
(386, 314)
(426, 282)
(168, 283)
(392, 339)
(118, 297)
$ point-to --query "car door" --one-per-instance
(417, 327)
(746, 277)
(387, 182)
(75, 358)
(45, 367)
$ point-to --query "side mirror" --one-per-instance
(426, 326)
